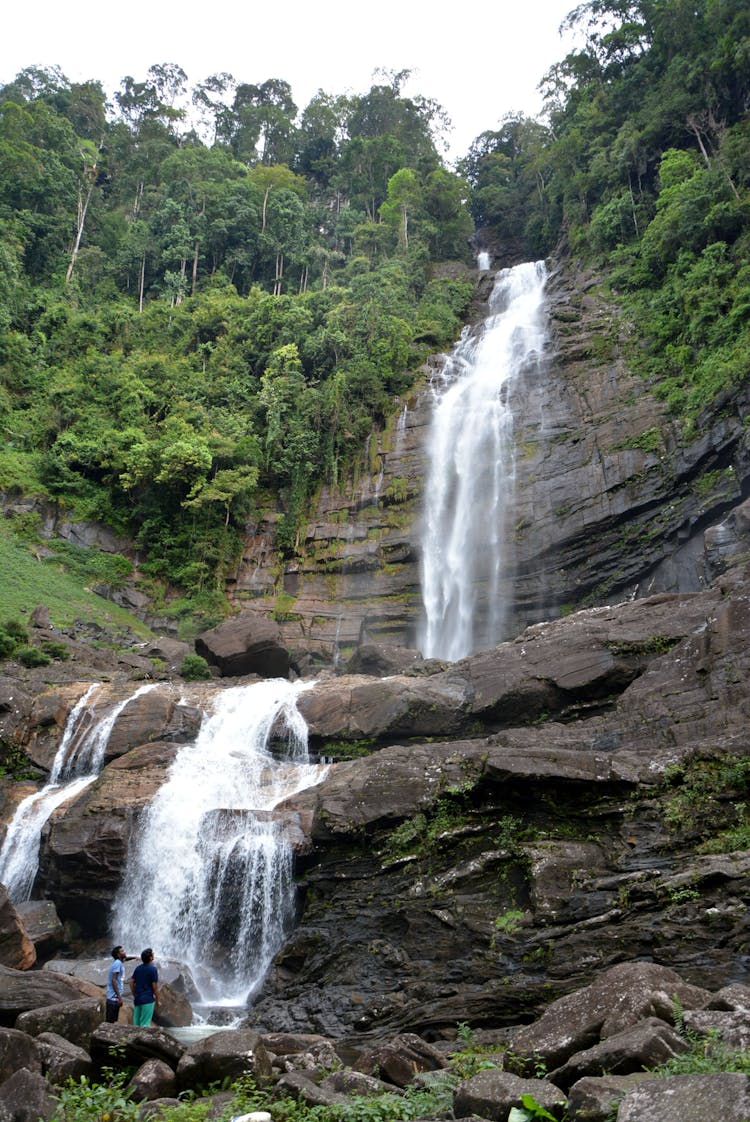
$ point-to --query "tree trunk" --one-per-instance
(83, 205)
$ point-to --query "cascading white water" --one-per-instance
(209, 880)
(483, 261)
(471, 469)
(77, 763)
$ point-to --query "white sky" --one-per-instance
(480, 60)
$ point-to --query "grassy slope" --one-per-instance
(25, 581)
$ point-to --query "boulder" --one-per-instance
(732, 1028)
(316, 1060)
(491, 1094)
(75, 1020)
(347, 1082)
(16, 948)
(42, 924)
(643, 1046)
(595, 1098)
(224, 1055)
(62, 1060)
(15, 707)
(124, 1045)
(400, 1059)
(617, 1000)
(296, 1085)
(287, 1043)
(28, 1097)
(17, 1050)
(20, 991)
(174, 1008)
(688, 1098)
(153, 1080)
(246, 644)
(378, 660)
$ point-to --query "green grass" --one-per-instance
(25, 581)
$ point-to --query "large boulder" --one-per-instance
(62, 1060)
(491, 1094)
(16, 948)
(74, 1020)
(20, 991)
(398, 1060)
(246, 644)
(689, 1098)
(17, 1050)
(28, 1097)
(643, 1046)
(224, 1055)
(126, 1045)
(153, 1080)
(42, 924)
(619, 999)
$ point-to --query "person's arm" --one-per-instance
(155, 988)
(118, 981)
(132, 986)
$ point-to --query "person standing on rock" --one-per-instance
(115, 984)
(145, 989)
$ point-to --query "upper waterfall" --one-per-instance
(209, 880)
(470, 475)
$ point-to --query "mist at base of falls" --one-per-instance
(471, 469)
(209, 881)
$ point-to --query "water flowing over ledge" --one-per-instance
(77, 764)
(470, 477)
(209, 880)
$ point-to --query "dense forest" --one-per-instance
(208, 297)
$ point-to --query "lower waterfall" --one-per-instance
(469, 485)
(209, 881)
(78, 761)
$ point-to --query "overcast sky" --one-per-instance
(480, 60)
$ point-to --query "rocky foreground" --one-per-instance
(590, 1054)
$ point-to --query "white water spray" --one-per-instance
(209, 881)
(470, 476)
(77, 764)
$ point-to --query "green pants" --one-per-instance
(142, 1014)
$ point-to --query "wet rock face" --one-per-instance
(610, 499)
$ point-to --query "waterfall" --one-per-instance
(209, 881)
(483, 261)
(76, 765)
(470, 477)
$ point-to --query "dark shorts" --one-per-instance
(113, 1012)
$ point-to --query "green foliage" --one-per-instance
(92, 564)
(701, 794)
(194, 668)
(83, 1100)
(55, 649)
(27, 583)
(14, 763)
(235, 317)
(530, 1110)
(31, 657)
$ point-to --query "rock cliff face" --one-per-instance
(611, 499)
(507, 826)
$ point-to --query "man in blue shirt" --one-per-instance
(115, 980)
(145, 989)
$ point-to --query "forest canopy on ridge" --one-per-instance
(209, 297)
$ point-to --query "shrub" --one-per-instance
(56, 649)
(16, 629)
(194, 668)
(32, 656)
(7, 643)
